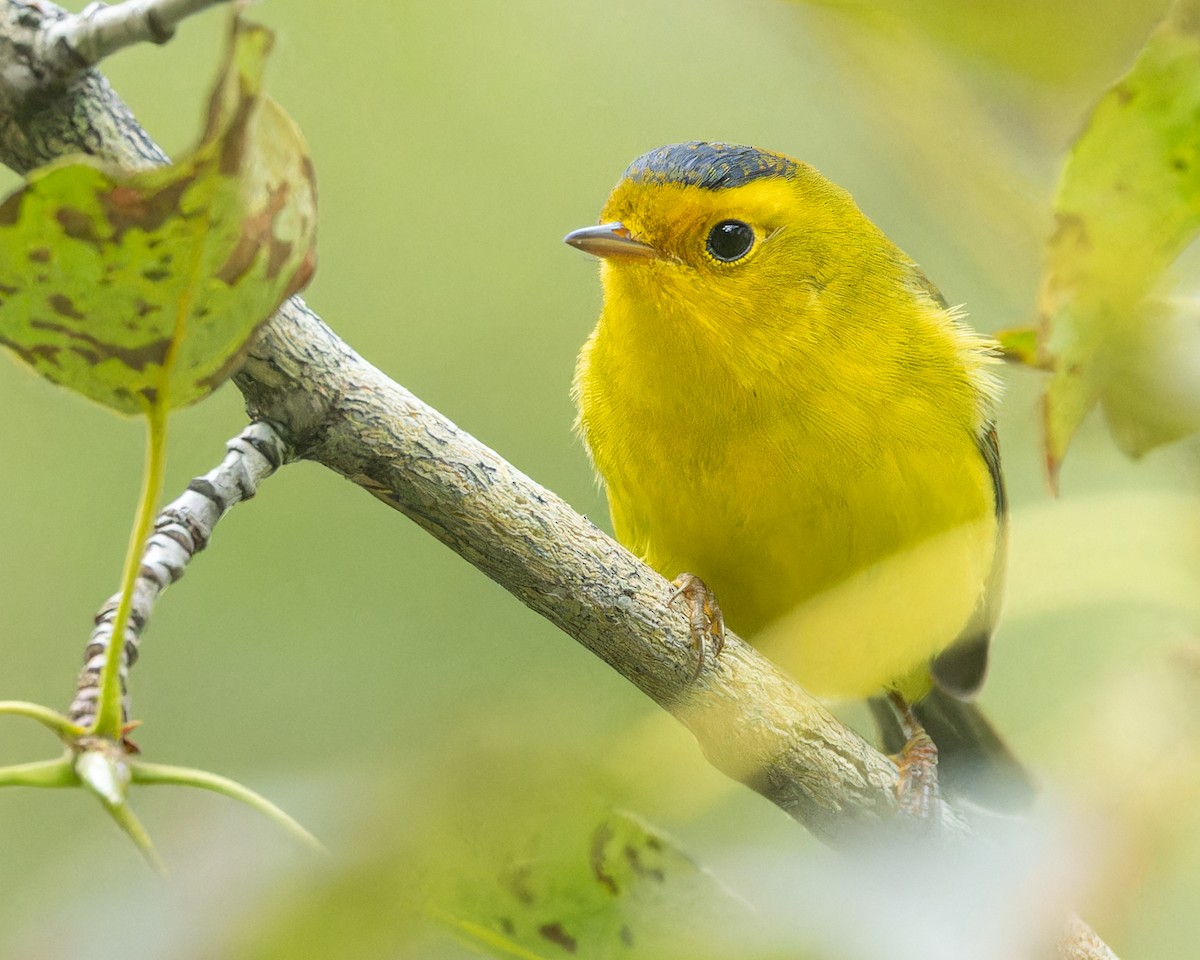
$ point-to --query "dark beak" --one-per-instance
(610, 240)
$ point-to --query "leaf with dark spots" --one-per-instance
(10, 210)
(136, 358)
(61, 304)
(627, 892)
(33, 355)
(256, 234)
(633, 857)
(303, 273)
(279, 253)
(517, 881)
(107, 276)
(77, 225)
(557, 934)
(126, 208)
(596, 854)
(239, 263)
(233, 146)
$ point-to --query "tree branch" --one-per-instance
(752, 721)
(1079, 942)
(182, 530)
(331, 406)
(47, 112)
(77, 42)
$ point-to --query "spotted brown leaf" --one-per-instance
(143, 289)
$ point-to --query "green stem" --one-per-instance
(66, 730)
(109, 717)
(41, 773)
(157, 773)
(127, 821)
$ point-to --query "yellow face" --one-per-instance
(759, 271)
(681, 221)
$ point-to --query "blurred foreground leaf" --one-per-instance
(143, 289)
(631, 894)
(1019, 344)
(1050, 43)
(1128, 203)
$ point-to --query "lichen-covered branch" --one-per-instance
(47, 112)
(181, 530)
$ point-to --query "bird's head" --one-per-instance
(737, 245)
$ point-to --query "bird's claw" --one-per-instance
(917, 791)
(704, 615)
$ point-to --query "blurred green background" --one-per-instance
(421, 721)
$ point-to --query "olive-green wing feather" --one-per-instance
(973, 761)
(959, 670)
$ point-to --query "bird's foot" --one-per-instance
(704, 616)
(917, 792)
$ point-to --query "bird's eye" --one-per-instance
(730, 240)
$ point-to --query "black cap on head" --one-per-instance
(713, 166)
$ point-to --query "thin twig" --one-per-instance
(182, 530)
(80, 41)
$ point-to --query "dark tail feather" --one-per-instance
(973, 762)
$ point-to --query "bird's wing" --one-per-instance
(960, 668)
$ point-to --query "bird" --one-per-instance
(788, 417)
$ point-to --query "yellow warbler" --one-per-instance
(781, 404)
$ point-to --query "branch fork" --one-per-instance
(104, 761)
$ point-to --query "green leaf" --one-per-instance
(1151, 394)
(631, 894)
(1019, 345)
(1128, 203)
(143, 289)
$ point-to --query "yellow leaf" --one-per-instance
(1127, 205)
